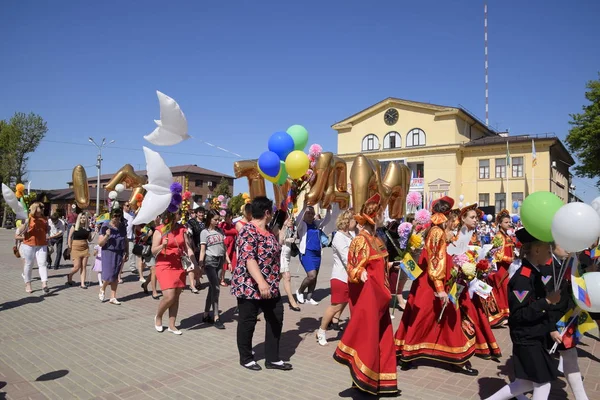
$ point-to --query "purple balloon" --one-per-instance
(282, 144)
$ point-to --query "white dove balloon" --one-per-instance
(11, 199)
(158, 187)
(172, 126)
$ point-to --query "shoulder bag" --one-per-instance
(186, 261)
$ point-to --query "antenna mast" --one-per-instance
(485, 29)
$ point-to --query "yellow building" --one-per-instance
(449, 151)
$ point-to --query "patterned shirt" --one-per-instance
(262, 246)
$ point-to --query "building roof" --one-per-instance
(441, 110)
(177, 170)
(486, 141)
(55, 195)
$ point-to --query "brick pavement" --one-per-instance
(69, 345)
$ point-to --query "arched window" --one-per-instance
(370, 143)
(392, 140)
(415, 137)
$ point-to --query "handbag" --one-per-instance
(186, 261)
(294, 250)
(142, 250)
(16, 251)
(67, 254)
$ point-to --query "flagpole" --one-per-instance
(533, 162)
(508, 167)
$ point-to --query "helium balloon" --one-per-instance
(515, 219)
(282, 144)
(296, 164)
(269, 164)
(515, 204)
(172, 127)
(120, 187)
(272, 179)
(300, 136)
(575, 227)
(537, 212)
(283, 175)
(489, 218)
(461, 197)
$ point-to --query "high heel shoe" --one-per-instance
(294, 308)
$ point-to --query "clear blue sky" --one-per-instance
(242, 70)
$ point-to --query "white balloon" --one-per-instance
(468, 204)
(172, 126)
(461, 197)
(575, 227)
(120, 187)
(596, 204)
(489, 218)
(113, 195)
(460, 204)
(159, 195)
(11, 199)
(592, 286)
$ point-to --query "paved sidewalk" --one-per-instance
(68, 345)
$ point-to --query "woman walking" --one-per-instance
(34, 245)
(287, 236)
(346, 226)
(168, 249)
(78, 242)
(367, 347)
(310, 252)
(115, 252)
(230, 232)
(151, 261)
(212, 255)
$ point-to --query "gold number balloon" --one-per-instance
(330, 184)
(81, 189)
(249, 169)
(127, 176)
(396, 184)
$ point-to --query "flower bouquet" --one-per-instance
(408, 244)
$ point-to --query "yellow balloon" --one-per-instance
(297, 164)
(272, 179)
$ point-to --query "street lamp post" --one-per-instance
(99, 167)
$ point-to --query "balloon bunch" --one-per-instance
(285, 156)
(176, 197)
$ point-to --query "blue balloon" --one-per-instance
(516, 204)
(515, 219)
(269, 163)
(282, 144)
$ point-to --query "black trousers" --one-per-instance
(58, 242)
(273, 314)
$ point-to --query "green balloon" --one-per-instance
(283, 175)
(537, 212)
(300, 136)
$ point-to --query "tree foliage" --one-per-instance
(222, 188)
(236, 203)
(19, 137)
(584, 138)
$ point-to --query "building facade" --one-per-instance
(450, 152)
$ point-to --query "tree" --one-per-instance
(222, 188)
(19, 136)
(236, 203)
(584, 138)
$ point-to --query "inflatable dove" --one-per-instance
(461, 245)
(13, 202)
(158, 187)
(172, 126)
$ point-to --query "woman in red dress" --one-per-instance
(367, 346)
(499, 280)
(230, 232)
(475, 308)
(430, 327)
(168, 248)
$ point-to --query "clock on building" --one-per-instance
(391, 116)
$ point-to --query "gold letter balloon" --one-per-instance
(81, 189)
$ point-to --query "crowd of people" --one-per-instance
(448, 316)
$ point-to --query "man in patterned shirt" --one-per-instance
(255, 283)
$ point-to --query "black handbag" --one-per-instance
(294, 250)
(142, 250)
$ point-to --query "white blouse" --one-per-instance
(340, 246)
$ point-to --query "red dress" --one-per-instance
(497, 311)
(169, 270)
(419, 334)
(230, 236)
(367, 346)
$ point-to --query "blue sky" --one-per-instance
(242, 70)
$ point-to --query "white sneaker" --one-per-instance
(299, 297)
(322, 337)
(101, 295)
(312, 302)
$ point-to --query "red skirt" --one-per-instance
(169, 276)
(367, 347)
(496, 306)
(485, 342)
(421, 336)
(339, 291)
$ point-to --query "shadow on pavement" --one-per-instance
(17, 303)
(50, 376)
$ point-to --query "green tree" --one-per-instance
(584, 138)
(222, 188)
(19, 137)
(236, 203)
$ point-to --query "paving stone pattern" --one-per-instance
(69, 345)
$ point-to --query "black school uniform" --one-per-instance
(530, 325)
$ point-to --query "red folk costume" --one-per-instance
(475, 308)
(498, 313)
(419, 335)
(367, 346)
